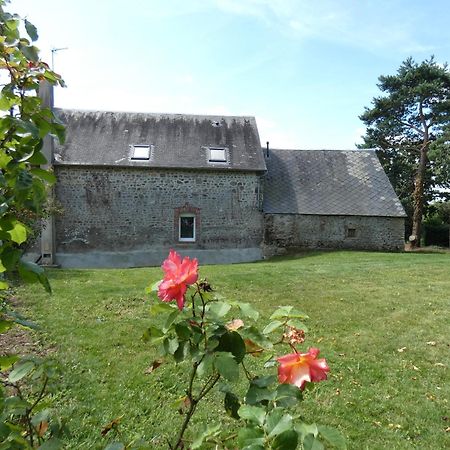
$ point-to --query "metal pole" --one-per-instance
(54, 50)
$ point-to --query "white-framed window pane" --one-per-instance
(187, 228)
(140, 152)
(217, 155)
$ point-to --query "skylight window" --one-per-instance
(140, 152)
(217, 154)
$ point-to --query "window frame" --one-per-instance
(218, 161)
(133, 148)
(194, 227)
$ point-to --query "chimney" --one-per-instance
(47, 257)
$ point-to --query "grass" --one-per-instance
(381, 320)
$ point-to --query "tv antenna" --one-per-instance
(54, 50)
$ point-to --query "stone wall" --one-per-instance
(284, 231)
(127, 209)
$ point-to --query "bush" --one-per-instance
(436, 234)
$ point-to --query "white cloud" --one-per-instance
(370, 25)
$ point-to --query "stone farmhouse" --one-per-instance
(132, 186)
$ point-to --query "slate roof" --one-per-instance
(180, 141)
(328, 182)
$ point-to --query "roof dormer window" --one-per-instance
(217, 154)
(141, 152)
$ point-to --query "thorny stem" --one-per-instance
(247, 373)
(27, 416)
(210, 383)
(193, 303)
(293, 347)
(41, 394)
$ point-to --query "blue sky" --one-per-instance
(305, 69)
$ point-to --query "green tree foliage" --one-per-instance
(409, 126)
(24, 414)
(23, 126)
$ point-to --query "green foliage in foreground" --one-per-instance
(381, 320)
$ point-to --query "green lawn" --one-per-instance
(381, 320)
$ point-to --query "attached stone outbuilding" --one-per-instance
(329, 199)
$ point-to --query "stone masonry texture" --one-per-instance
(123, 209)
(319, 231)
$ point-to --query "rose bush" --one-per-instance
(218, 339)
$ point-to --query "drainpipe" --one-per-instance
(47, 257)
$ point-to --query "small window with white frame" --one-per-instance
(186, 228)
(217, 154)
(141, 152)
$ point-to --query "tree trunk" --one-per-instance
(418, 196)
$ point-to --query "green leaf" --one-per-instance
(232, 342)
(31, 30)
(10, 258)
(32, 273)
(304, 429)
(205, 366)
(7, 361)
(30, 52)
(6, 103)
(297, 324)
(333, 436)
(248, 437)
(4, 160)
(170, 319)
(22, 369)
(253, 414)
(248, 311)
(37, 159)
(265, 381)
(272, 326)
(58, 129)
(45, 175)
(288, 440)
(257, 337)
(181, 352)
(232, 405)
(183, 331)
(288, 312)
(16, 406)
(18, 233)
(41, 416)
(170, 345)
(311, 443)
(256, 395)
(12, 24)
(160, 308)
(227, 366)
(153, 334)
(278, 422)
(288, 395)
(207, 431)
(154, 288)
(5, 325)
(219, 309)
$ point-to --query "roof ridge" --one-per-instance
(215, 116)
